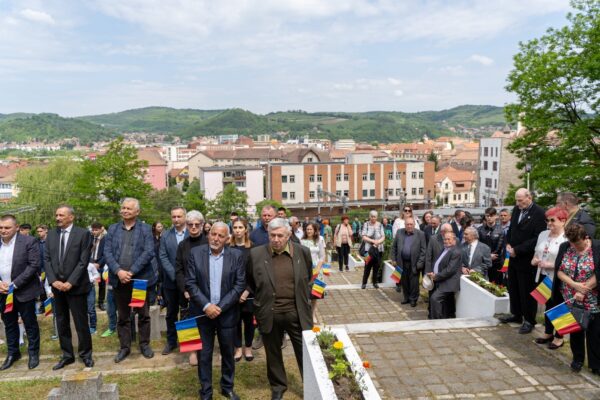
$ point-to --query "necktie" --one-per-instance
(61, 254)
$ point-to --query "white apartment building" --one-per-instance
(497, 169)
(247, 179)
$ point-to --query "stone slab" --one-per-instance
(422, 325)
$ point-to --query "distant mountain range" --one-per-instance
(380, 126)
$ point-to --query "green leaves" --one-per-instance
(229, 200)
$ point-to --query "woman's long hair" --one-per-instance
(316, 235)
(247, 242)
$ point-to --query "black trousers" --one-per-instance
(343, 253)
(494, 274)
(589, 339)
(410, 283)
(77, 305)
(175, 302)
(247, 319)
(208, 329)
(372, 265)
(11, 326)
(441, 304)
(290, 324)
(101, 291)
(521, 282)
(122, 293)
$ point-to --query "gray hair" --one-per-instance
(569, 198)
(220, 224)
(472, 230)
(279, 223)
(131, 199)
(437, 217)
(194, 215)
(293, 220)
(446, 227)
(70, 209)
(373, 213)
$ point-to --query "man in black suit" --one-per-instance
(215, 281)
(456, 225)
(408, 251)
(19, 265)
(432, 228)
(570, 202)
(445, 275)
(278, 273)
(97, 258)
(527, 222)
(66, 260)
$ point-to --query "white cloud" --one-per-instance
(483, 60)
(37, 16)
(398, 92)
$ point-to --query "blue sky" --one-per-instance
(97, 56)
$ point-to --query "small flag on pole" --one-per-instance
(43, 276)
(326, 269)
(562, 319)
(544, 290)
(188, 335)
(318, 289)
(397, 274)
(315, 273)
(138, 295)
(105, 275)
(8, 306)
(47, 307)
(506, 261)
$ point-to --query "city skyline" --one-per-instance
(107, 56)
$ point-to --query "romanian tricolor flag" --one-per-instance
(506, 261)
(43, 276)
(188, 335)
(105, 275)
(318, 289)
(326, 269)
(8, 306)
(47, 307)
(138, 295)
(397, 274)
(315, 273)
(562, 319)
(544, 290)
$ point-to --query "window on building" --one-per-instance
(488, 182)
(459, 196)
(496, 152)
(495, 166)
(292, 195)
(345, 177)
(338, 177)
(420, 190)
(390, 176)
(365, 193)
(446, 185)
(292, 178)
(240, 183)
(421, 174)
(454, 197)
(372, 176)
(414, 175)
(398, 174)
(309, 159)
(466, 196)
(346, 193)
(495, 183)
(284, 178)
(414, 191)
(284, 195)
(319, 178)
(485, 165)
(311, 194)
(364, 177)
(372, 193)
(390, 192)
(398, 191)
(485, 151)
(311, 178)
(338, 192)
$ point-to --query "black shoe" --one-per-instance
(10, 360)
(363, 286)
(405, 302)
(168, 349)
(525, 328)
(121, 355)
(595, 371)
(413, 303)
(512, 318)
(542, 340)
(63, 363)
(398, 288)
(276, 395)
(34, 361)
(376, 286)
(576, 366)
(146, 351)
(347, 268)
(88, 362)
(230, 395)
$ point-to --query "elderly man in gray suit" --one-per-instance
(476, 256)
(408, 251)
(446, 278)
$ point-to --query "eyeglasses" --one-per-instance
(407, 210)
(191, 225)
(550, 220)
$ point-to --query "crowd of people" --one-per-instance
(233, 278)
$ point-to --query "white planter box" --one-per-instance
(317, 385)
(355, 262)
(388, 268)
(475, 301)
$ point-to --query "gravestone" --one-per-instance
(84, 385)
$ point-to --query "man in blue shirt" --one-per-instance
(259, 235)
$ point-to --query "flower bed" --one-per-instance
(354, 260)
(333, 369)
(496, 290)
(473, 301)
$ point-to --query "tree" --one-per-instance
(194, 198)
(161, 202)
(110, 178)
(556, 79)
(433, 157)
(227, 201)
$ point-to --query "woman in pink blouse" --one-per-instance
(343, 241)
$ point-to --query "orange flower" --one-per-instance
(366, 364)
(316, 329)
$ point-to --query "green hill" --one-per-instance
(49, 127)
(234, 121)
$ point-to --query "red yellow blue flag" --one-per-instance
(8, 306)
(105, 275)
(544, 290)
(397, 274)
(318, 289)
(326, 269)
(47, 307)
(506, 261)
(138, 295)
(188, 335)
(562, 319)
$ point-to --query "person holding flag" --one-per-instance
(19, 288)
(578, 271)
(215, 280)
(316, 244)
(129, 252)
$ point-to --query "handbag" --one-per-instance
(581, 315)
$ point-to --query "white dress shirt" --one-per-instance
(6, 258)
(472, 246)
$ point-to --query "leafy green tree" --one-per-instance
(194, 198)
(110, 178)
(227, 201)
(43, 187)
(161, 202)
(556, 79)
(433, 157)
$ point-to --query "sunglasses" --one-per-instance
(550, 220)
(194, 225)
(407, 210)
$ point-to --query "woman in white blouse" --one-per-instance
(546, 251)
(316, 245)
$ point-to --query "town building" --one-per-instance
(247, 179)
(497, 168)
(156, 172)
(455, 187)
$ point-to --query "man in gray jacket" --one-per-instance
(408, 251)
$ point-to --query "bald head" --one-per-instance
(523, 198)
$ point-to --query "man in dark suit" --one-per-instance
(445, 275)
(456, 225)
(491, 233)
(570, 202)
(432, 228)
(167, 253)
(19, 265)
(476, 256)
(278, 273)
(66, 260)
(215, 281)
(408, 251)
(129, 252)
(97, 258)
(527, 222)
